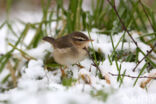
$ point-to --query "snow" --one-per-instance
(2, 40)
(39, 86)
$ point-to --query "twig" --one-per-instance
(146, 14)
(94, 63)
(131, 76)
(147, 18)
(125, 28)
(122, 23)
(148, 52)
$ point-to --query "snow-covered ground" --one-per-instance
(39, 86)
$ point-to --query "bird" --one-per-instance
(69, 49)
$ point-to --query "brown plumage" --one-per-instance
(69, 49)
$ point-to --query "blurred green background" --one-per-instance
(35, 4)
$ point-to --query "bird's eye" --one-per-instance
(79, 39)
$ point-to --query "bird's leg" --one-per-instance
(79, 65)
(62, 71)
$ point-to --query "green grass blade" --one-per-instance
(141, 71)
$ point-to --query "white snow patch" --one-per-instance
(37, 85)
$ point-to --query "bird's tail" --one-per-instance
(49, 39)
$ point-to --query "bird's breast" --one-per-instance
(69, 56)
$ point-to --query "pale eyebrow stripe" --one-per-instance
(76, 37)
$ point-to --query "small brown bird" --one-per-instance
(70, 48)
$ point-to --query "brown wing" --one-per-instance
(63, 42)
